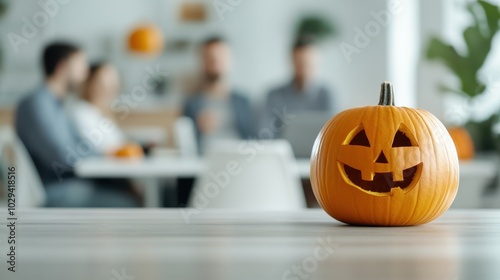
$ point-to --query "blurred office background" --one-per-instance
(261, 33)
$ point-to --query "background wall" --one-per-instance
(260, 32)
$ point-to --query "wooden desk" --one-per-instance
(159, 244)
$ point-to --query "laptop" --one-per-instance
(302, 131)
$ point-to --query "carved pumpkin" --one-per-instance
(463, 142)
(384, 165)
(146, 39)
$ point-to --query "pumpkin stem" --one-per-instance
(386, 95)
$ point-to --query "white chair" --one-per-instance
(250, 175)
(29, 188)
(185, 137)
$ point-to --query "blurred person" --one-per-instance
(303, 93)
(92, 112)
(218, 110)
(52, 139)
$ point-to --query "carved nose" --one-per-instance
(381, 158)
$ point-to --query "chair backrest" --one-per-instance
(29, 188)
(185, 137)
(251, 175)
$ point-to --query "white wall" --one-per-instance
(404, 50)
(262, 35)
(259, 30)
(431, 74)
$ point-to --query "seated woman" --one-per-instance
(94, 121)
(92, 113)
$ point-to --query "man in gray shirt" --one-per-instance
(52, 139)
(301, 95)
(217, 109)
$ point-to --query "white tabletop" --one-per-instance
(159, 244)
(159, 167)
(140, 168)
(172, 166)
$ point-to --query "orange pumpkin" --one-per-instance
(463, 142)
(146, 39)
(130, 151)
(384, 165)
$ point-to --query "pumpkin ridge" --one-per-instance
(343, 116)
(348, 114)
(442, 204)
(388, 213)
(426, 217)
(324, 167)
(360, 217)
(415, 201)
(376, 121)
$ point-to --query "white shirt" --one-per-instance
(102, 132)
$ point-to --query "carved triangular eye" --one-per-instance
(401, 140)
(360, 139)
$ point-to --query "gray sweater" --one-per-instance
(49, 136)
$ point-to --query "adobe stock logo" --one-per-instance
(39, 20)
(363, 37)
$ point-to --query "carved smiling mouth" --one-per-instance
(383, 182)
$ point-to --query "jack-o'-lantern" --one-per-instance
(384, 165)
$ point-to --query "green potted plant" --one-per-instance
(315, 27)
(478, 38)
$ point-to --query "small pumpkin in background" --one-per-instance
(463, 142)
(130, 151)
(146, 39)
(384, 165)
